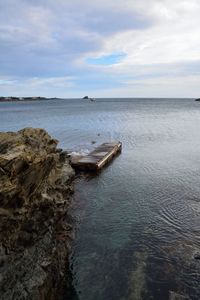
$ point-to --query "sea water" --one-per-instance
(137, 221)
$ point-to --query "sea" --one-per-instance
(138, 220)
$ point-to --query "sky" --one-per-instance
(100, 48)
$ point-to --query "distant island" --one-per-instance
(198, 99)
(88, 98)
(13, 99)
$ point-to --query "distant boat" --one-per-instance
(88, 98)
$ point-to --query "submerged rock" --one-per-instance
(197, 255)
(176, 296)
(137, 284)
(35, 228)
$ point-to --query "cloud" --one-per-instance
(172, 85)
(98, 45)
(32, 86)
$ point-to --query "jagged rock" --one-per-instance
(176, 296)
(197, 255)
(35, 230)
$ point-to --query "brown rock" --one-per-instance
(35, 188)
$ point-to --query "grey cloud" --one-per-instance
(43, 38)
(106, 23)
(48, 43)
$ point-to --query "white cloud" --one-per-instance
(160, 87)
(37, 86)
(54, 39)
(173, 36)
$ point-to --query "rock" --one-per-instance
(176, 296)
(35, 233)
(197, 255)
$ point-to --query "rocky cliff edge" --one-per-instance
(35, 226)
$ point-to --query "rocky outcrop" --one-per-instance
(35, 226)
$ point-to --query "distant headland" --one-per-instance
(88, 98)
(13, 99)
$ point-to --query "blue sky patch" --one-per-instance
(3, 82)
(106, 60)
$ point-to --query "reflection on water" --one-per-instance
(138, 223)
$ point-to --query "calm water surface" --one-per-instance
(138, 221)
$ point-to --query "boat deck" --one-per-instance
(95, 160)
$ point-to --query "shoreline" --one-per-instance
(23, 99)
(36, 227)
